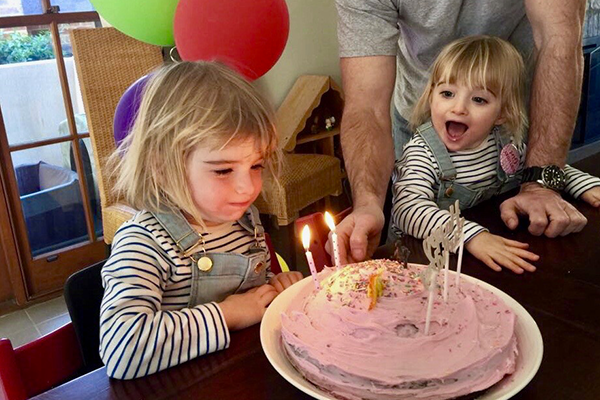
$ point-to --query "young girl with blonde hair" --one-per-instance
(192, 264)
(470, 123)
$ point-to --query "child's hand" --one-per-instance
(245, 309)
(496, 251)
(284, 280)
(592, 196)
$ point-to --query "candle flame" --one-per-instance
(330, 222)
(306, 237)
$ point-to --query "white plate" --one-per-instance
(529, 341)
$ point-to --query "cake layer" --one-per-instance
(343, 341)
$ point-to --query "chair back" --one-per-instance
(83, 295)
(107, 63)
(39, 365)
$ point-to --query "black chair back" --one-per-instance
(83, 295)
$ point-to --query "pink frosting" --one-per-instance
(340, 345)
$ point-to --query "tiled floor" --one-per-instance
(28, 324)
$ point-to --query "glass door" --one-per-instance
(47, 160)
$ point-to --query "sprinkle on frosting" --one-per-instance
(361, 336)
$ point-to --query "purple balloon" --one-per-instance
(127, 109)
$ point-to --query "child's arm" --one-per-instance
(497, 252)
(284, 280)
(415, 212)
(414, 209)
(137, 338)
(582, 185)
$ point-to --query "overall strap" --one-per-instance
(428, 133)
(178, 228)
(250, 219)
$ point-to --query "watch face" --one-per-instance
(553, 177)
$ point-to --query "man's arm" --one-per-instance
(366, 126)
(556, 86)
(555, 93)
(368, 149)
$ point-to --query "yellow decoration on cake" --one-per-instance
(375, 288)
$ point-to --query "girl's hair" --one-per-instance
(184, 105)
(480, 62)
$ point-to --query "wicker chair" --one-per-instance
(108, 62)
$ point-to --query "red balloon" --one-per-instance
(247, 35)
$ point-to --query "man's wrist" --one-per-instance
(369, 201)
(548, 176)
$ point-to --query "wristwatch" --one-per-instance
(549, 176)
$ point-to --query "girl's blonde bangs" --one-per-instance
(185, 105)
(484, 62)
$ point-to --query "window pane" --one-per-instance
(91, 178)
(50, 197)
(30, 94)
(78, 110)
(20, 7)
(73, 5)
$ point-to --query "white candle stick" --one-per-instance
(461, 247)
(431, 246)
(447, 230)
(446, 270)
(433, 278)
(336, 249)
(309, 257)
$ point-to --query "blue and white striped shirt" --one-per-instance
(416, 183)
(145, 323)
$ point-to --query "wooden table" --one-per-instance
(563, 296)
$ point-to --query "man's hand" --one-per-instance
(548, 213)
(358, 234)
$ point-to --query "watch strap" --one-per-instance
(531, 174)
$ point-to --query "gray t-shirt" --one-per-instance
(416, 30)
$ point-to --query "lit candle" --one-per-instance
(336, 250)
(309, 257)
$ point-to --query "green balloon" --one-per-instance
(150, 21)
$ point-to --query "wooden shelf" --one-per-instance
(301, 139)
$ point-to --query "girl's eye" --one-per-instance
(258, 167)
(479, 100)
(446, 93)
(223, 172)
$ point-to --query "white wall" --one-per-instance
(312, 47)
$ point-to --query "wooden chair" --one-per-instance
(39, 365)
(307, 175)
(107, 63)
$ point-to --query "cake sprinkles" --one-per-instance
(361, 335)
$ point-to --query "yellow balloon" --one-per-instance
(282, 263)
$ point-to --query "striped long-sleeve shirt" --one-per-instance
(145, 322)
(416, 183)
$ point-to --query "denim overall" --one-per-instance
(450, 191)
(231, 272)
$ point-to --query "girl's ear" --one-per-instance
(500, 120)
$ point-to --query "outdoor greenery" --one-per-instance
(17, 48)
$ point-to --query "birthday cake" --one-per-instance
(361, 335)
